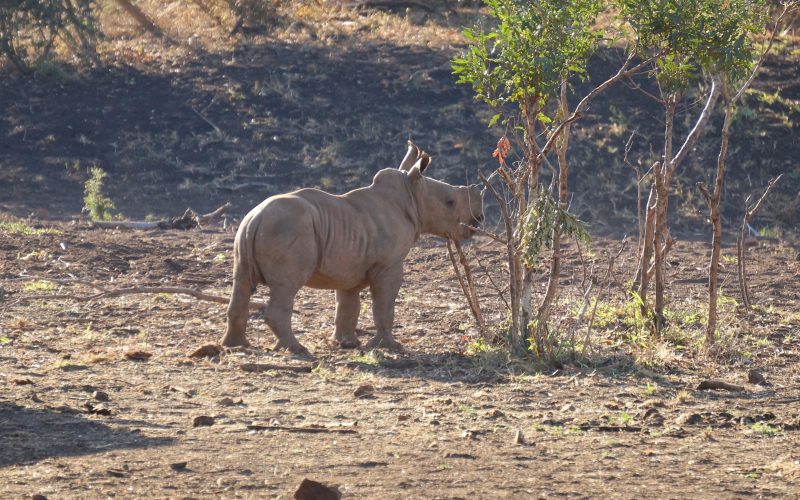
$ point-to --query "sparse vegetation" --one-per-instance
(95, 203)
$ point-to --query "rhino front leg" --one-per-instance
(384, 293)
(278, 316)
(348, 305)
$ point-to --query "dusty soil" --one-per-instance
(442, 421)
(325, 99)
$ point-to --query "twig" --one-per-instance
(495, 237)
(307, 430)
(748, 214)
(263, 367)
(467, 284)
(254, 304)
(213, 125)
(492, 282)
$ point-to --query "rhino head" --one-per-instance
(443, 209)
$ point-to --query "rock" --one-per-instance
(38, 496)
(97, 409)
(312, 490)
(568, 407)
(689, 419)
(519, 437)
(178, 466)
(495, 414)
(364, 391)
(226, 402)
(202, 421)
(403, 418)
(206, 351)
(138, 355)
(653, 418)
(100, 396)
(755, 377)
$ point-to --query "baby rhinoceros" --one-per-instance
(344, 243)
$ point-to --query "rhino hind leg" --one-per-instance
(348, 305)
(278, 315)
(238, 310)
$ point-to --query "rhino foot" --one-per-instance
(385, 342)
(350, 342)
(234, 341)
(294, 347)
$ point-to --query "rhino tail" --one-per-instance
(245, 252)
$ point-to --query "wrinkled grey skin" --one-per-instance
(344, 243)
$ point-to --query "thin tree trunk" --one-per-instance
(663, 178)
(563, 192)
(713, 200)
(140, 17)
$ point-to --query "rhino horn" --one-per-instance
(411, 157)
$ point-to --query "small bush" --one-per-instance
(30, 30)
(95, 203)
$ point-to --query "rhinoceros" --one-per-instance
(345, 243)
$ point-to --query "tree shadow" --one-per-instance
(32, 434)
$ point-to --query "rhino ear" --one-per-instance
(416, 171)
(424, 161)
(411, 157)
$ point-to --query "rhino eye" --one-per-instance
(450, 203)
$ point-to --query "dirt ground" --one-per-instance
(442, 422)
(100, 398)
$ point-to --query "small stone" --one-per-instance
(755, 377)
(312, 490)
(403, 418)
(100, 396)
(519, 437)
(568, 407)
(38, 496)
(495, 414)
(178, 466)
(206, 351)
(689, 419)
(202, 421)
(364, 391)
(138, 355)
(97, 409)
(226, 402)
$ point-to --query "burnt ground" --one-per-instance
(205, 118)
(627, 419)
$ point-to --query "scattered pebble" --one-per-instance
(364, 391)
(100, 396)
(202, 421)
(206, 351)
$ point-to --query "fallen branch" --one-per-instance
(264, 367)
(719, 385)
(199, 295)
(306, 430)
(189, 220)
